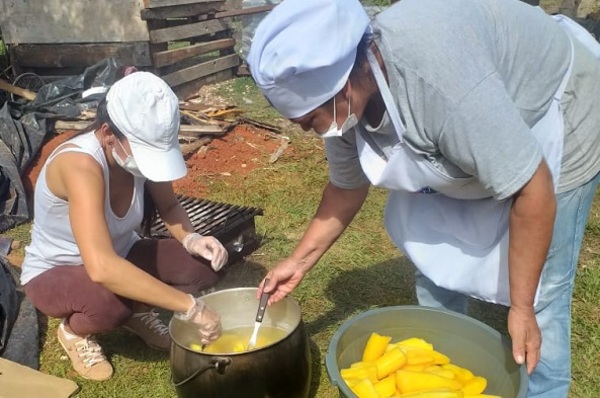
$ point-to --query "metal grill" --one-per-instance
(233, 225)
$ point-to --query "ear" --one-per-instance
(107, 134)
(347, 90)
(347, 87)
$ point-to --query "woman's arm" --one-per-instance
(531, 224)
(179, 225)
(171, 211)
(83, 188)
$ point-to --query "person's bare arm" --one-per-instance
(83, 188)
(170, 209)
(531, 224)
(336, 211)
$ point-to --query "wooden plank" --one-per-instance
(193, 130)
(190, 89)
(214, 10)
(80, 55)
(164, 58)
(76, 125)
(189, 30)
(29, 95)
(244, 11)
(169, 3)
(71, 21)
(201, 70)
(189, 10)
(185, 130)
(193, 147)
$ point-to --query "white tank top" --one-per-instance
(52, 241)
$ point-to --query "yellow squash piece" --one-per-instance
(196, 347)
(482, 396)
(375, 347)
(434, 394)
(475, 386)
(419, 356)
(409, 382)
(440, 359)
(463, 375)
(416, 368)
(417, 343)
(386, 387)
(361, 370)
(438, 370)
(390, 362)
(364, 389)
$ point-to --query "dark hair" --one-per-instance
(361, 68)
(102, 117)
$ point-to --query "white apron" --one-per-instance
(451, 228)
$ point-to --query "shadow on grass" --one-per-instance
(390, 283)
(353, 291)
(316, 369)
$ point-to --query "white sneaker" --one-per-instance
(151, 329)
(85, 354)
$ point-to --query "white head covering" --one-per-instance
(145, 109)
(303, 51)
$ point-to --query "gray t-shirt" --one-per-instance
(470, 77)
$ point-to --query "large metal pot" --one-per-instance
(281, 369)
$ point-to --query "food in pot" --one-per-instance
(410, 368)
(236, 340)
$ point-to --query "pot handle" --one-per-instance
(218, 363)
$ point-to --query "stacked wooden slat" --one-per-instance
(199, 124)
(191, 42)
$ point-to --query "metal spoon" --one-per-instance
(262, 307)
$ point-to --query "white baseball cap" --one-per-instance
(145, 109)
(303, 51)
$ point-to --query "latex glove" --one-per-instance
(203, 317)
(207, 247)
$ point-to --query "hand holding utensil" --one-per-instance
(262, 307)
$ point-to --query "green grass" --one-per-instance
(361, 271)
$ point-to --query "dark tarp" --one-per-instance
(23, 126)
(19, 340)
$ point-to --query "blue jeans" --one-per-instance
(552, 376)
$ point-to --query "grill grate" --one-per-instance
(233, 225)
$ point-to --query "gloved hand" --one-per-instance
(203, 317)
(208, 247)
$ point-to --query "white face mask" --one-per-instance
(333, 130)
(128, 164)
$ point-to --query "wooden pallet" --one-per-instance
(189, 43)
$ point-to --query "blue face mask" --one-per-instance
(128, 164)
(334, 131)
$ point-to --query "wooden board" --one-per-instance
(168, 3)
(6, 86)
(79, 55)
(72, 21)
(190, 89)
(244, 11)
(188, 30)
(202, 70)
(164, 58)
(188, 10)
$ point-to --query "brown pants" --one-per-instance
(68, 291)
